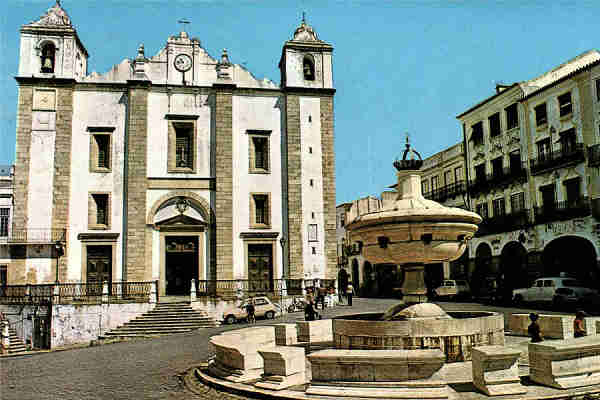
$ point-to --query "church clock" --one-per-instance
(182, 62)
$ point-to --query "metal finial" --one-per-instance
(303, 17)
(58, 3)
(407, 140)
(183, 22)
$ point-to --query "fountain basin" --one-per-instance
(454, 336)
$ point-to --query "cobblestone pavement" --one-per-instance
(141, 369)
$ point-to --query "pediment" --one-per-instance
(182, 220)
(169, 215)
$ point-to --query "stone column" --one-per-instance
(294, 181)
(193, 291)
(414, 288)
(153, 290)
(104, 292)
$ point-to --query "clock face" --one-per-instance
(182, 62)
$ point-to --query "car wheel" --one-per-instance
(230, 319)
(269, 315)
(518, 300)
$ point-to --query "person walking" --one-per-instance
(578, 329)
(251, 311)
(349, 293)
(309, 311)
(535, 333)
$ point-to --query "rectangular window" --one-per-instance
(312, 233)
(458, 174)
(512, 116)
(548, 197)
(260, 211)
(543, 149)
(499, 207)
(541, 115)
(572, 189)
(480, 172)
(494, 121)
(182, 146)
(100, 148)
(515, 161)
(482, 210)
(99, 211)
(517, 202)
(447, 178)
(434, 183)
(497, 167)
(424, 186)
(567, 140)
(564, 104)
(477, 135)
(259, 152)
(598, 89)
(4, 220)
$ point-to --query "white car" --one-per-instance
(452, 289)
(555, 290)
(263, 307)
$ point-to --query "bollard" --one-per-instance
(193, 291)
(104, 292)
(152, 299)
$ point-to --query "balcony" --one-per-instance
(446, 192)
(505, 223)
(507, 175)
(34, 236)
(557, 159)
(594, 155)
(562, 210)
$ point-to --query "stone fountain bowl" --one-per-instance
(454, 336)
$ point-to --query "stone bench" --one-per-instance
(286, 334)
(552, 326)
(565, 363)
(496, 370)
(406, 374)
(283, 367)
(315, 331)
(236, 353)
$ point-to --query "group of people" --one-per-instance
(535, 332)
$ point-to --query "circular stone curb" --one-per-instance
(211, 388)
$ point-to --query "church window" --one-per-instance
(308, 68)
(258, 151)
(99, 211)
(4, 217)
(260, 210)
(48, 59)
(182, 147)
(100, 153)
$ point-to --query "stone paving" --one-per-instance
(141, 369)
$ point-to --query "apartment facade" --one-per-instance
(532, 156)
(173, 167)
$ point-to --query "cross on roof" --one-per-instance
(183, 22)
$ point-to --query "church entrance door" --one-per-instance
(181, 264)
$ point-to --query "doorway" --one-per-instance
(260, 268)
(181, 264)
(99, 268)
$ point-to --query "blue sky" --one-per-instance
(402, 66)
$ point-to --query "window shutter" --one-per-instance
(182, 148)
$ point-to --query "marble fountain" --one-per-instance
(415, 350)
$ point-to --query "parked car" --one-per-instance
(263, 307)
(452, 289)
(489, 292)
(556, 290)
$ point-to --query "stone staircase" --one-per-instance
(16, 343)
(164, 319)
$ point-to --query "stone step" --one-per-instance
(183, 323)
(147, 332)
(16, 344)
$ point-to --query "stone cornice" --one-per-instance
(98, 237)
(259, 235)
(36, 80)
(309, 91)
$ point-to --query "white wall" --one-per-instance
(258, 113)
(158, 140)
(312, 196)
(95, 109)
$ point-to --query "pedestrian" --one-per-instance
(534, 329)
(349, 293)
(250, 311)
(578, 329)
(309, 311)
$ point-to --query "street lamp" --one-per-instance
(282, 241)
(58, 247)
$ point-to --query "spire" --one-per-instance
(305, 32)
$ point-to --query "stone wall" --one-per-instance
(327, 148)
(294, 148)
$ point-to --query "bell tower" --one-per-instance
(50, 47)
(306, 61)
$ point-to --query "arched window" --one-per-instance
(308, 67)
(48, 52)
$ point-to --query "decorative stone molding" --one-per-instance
(206, 211)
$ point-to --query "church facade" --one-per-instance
(170, 168)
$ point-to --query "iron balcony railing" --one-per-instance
(594, 155)
(39, 236)
(250, 287)
(77, 293)
(515, 172)
(445, 192)
(505, 223)
(557, 158)
(562, 210)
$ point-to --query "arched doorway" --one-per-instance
(573, 256)
(387, 278)
(483, 264)
(513, 269)
(343, 280)
(367, 287)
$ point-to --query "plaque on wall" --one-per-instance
(44, 99)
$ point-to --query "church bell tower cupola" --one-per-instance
(306, 61)
(50, 47)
